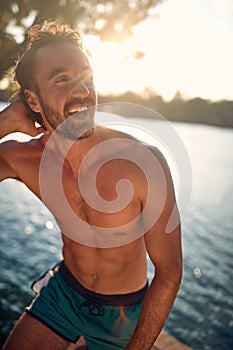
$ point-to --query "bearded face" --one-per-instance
(65, 90)
(76, 121)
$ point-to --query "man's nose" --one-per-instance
(80, 90)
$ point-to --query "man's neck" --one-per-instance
(76, 150)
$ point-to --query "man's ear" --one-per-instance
(32, 100)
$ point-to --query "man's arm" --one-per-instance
(165, 252)
(14, 118)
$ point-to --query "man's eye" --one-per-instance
(88, 77)
(62, 80)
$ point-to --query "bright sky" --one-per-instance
(187, 47)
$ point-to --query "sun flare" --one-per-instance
(115, 67)
(185, 48)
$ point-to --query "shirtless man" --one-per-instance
(99, 292)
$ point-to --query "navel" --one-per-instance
(95, 279)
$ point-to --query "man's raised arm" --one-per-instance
(14, 118)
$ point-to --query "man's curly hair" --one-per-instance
(49, 32)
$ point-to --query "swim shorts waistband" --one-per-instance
(105, 299)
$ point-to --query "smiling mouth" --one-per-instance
(81, 112)
(78, 109)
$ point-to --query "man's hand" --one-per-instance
(15, 118)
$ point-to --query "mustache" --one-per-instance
(77, 101)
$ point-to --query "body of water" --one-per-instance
(202, 314)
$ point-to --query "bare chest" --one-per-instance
(104, 199)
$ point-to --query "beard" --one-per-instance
(71, 127)
(76, 126)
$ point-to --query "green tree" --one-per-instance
(107, 18)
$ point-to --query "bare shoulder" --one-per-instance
(157, 153)
(161, 161)
(137, 159)
(135, 150)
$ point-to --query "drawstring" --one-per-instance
(94, 307)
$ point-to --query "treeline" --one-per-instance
(196, 110)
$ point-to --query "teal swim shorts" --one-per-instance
(105, 321)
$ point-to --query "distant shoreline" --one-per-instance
(196, 110)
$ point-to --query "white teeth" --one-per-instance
(77, 109)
